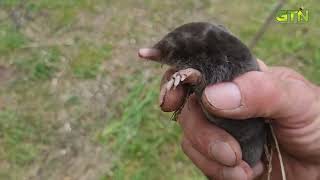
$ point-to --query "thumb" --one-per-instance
(260, 94)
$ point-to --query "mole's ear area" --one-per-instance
(150, 53)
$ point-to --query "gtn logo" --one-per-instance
(293, 16)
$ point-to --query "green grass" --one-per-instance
(18, 134)
(10, 39)
(143, 137)
(87, 62)
(41, 64)
(9, 3)
(105, 36)
(62, 13)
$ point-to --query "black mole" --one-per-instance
(219, 56)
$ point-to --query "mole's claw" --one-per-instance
(190, 76)
(170, 84)
(177, 79)
(183, 77)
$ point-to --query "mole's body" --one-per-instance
(219, 56)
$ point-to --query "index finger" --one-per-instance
(173, 99)
(210, 140)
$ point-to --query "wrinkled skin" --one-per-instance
(290, 102)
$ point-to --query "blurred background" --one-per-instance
(77, 104)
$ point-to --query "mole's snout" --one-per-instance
(149, 53)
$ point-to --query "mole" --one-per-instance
(204, 54)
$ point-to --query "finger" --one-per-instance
(210, 140)
(258, 170)
(149, 53)
(260, 94)
(213, 169)
(174, 98)
(286, 73)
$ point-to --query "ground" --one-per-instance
(77, 103)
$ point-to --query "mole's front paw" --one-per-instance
(185, 76)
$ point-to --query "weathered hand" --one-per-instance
(279, 94)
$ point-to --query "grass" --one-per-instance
(18, 134)
(87, 62)
(96, 85)
(10, 39)
(145, 139)
(39, 65)
(62, 13)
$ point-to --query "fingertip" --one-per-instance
(172, 100)
(222, 96)
(213, 142)
(260, 95)
(258, 169)
(209, 168)
(241, 171)
(247, 169)
(253, 94)
(234, 173)
(223, 153)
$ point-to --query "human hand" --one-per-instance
(279, 94)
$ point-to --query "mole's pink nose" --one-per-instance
(149, 53)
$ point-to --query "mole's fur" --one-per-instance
(219, 56)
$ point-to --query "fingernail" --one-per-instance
(223, 95)
(234, 173)
(223, 153)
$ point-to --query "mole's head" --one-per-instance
(189, 44)
(202, 46)
(183, 45)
